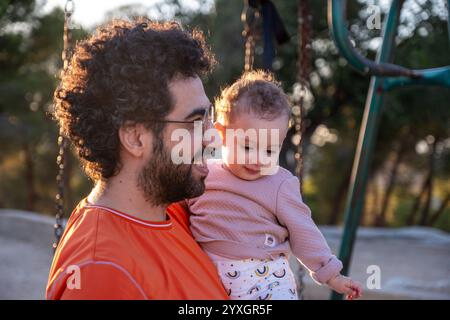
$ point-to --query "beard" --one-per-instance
(163, 182)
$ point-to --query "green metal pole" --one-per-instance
(429, 77)
(366, 142)
(337, 20)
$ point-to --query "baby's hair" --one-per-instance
(254, 92)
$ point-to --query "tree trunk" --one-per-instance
(439, 211)
(376, 198)
(429, 194)
(380, 220)
(364, 210)
(415, 208)
(29, 177)
(339, 197)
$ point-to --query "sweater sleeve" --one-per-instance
(306, 241)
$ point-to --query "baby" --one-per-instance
(251, 216)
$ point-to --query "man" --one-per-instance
(128, 87)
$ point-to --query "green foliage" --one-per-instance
(30, 60)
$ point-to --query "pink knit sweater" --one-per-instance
(240, 219)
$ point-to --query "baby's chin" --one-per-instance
(241, 172)
(249, 177)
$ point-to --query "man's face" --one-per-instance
(161, 180)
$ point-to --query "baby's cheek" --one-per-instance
(230, 155)
(241, 171)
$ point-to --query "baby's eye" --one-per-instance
(247, 148)
(269, 152)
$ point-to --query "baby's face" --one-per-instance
(253, 153)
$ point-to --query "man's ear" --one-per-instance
(135, 139)
(221, 129)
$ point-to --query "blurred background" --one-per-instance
(409, 175)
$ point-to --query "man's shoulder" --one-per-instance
(81, 226)
(100, 246)
(91, 234)
(95, 229)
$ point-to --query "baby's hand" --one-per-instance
(345, 285)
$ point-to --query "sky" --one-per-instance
(89, 13)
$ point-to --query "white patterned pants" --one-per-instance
(255, 279)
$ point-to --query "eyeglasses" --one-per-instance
(207, 121)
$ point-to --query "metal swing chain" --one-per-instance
(304, 60)
(62, 140)
(250, 17)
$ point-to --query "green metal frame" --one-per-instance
(385, 76)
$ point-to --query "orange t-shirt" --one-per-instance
(107, 254)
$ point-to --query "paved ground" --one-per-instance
(25, 254)
(24, 269)
(414, 262)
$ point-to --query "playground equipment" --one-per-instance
(63, 143)
(385, 76)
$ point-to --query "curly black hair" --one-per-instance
(122, 73)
